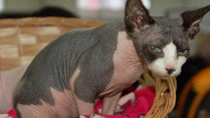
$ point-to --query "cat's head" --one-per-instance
(162, 43)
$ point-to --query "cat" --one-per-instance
(67, 76)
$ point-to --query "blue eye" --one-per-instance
(183, 52)
(154, 49)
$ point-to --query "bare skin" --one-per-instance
(113, 87)
(128, 69)
(8, 82)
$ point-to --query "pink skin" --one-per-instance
(128, 68)
(8, 82)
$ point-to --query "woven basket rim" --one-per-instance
(48, 21)
(60, 24)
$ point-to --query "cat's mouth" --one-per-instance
(159, 71)
(163, 76)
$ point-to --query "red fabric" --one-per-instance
(12, 113)
(143, 102)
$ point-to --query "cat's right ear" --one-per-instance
(137, 16)
(191, 20)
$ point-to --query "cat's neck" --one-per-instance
(126, 50)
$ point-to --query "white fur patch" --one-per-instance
(169, 61)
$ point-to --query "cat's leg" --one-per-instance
(84, 108)
(110, 104)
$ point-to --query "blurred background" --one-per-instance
(114, 10)
(96, 9)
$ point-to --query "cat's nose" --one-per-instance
(170, 70)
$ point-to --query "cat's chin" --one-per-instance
(164, 77)
(161, 76)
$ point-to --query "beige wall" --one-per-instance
(33, 5)
(66, 4)
(159, 6)
(22, 5)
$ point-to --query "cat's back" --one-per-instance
(59, 59)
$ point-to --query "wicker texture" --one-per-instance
(22, 39)
(165, 94)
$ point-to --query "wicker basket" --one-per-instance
(22, 39)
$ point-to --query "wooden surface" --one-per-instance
(22, 39)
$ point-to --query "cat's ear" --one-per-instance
(137, 16)
(191, 20)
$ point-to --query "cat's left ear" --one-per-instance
(137, 17)
(191, 20)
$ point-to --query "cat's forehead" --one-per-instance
(166, 31)
(170, 28)
(167, 21)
